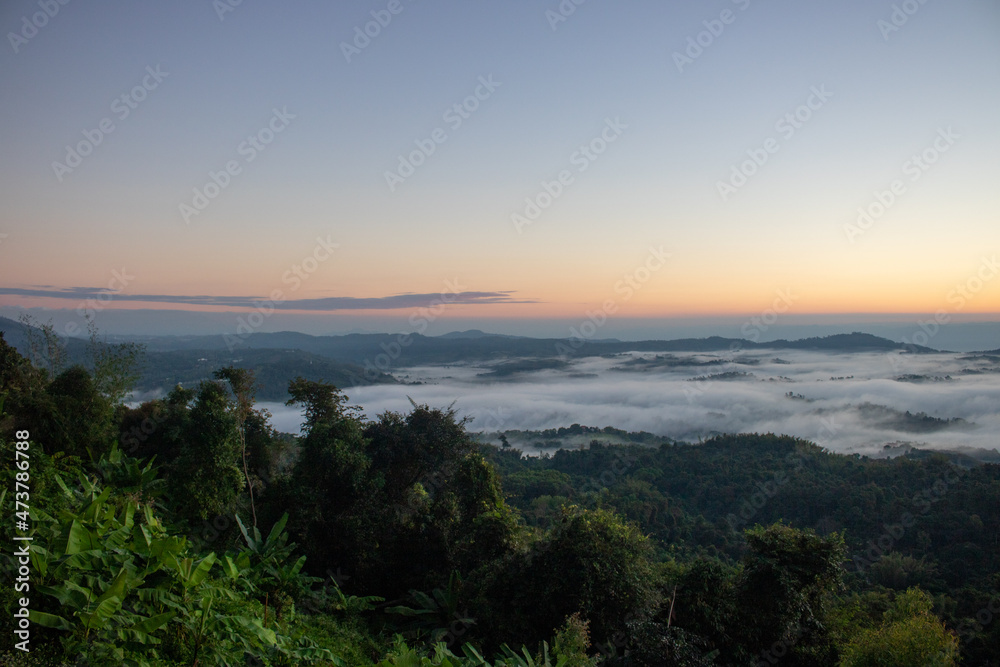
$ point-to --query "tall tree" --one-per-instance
(244, 387)
(116, 366)
(908, 636)
(782, 590)
(206, 478)
(590, 563)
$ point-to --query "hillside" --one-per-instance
(382, 352)
(161, 370)
(274, 368)
(186, 531)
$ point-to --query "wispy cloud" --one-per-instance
(393, 302)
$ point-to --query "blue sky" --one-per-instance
(555, 87)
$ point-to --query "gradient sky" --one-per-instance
(889, 96)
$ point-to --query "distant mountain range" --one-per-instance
(354, 359)
(409, 349)
(473, 333)
(163, 369)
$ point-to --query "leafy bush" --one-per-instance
(123, 590)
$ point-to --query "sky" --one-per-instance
(515, 166)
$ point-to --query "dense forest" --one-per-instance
(187, 531)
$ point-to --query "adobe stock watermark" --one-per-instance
(489, 419)
(969, 628)
(294, 276)
(119, 281)
(249, 149)
(454, 116)
(122, 106)
(131, 440)
(696, 44)
(786, 126)
(88, 308)
(562, 12)
(780, 648)
(420, 319)
(893, 533)
(223, 7)
(363, 35)
(765, 490)
(755, 326)
(752, 330)
(900, 15)
(316, 600)
(624, 460)
(626, 288)
(913, 168)
(960, 295)
(582, 158)
(37, 21)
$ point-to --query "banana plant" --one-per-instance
(404, 656)
(130, 476)
(351, 604)
(264, 565)
(435, 614)
(120, 586)
(89, 555)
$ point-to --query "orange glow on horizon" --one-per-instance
(783, 301)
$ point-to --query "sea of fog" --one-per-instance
(813, 395)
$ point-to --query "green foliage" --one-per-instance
(330, 486)
(908, 636)
(45, 350)
(104, 567)
(124, 590)
(705, 594)
(654, 644)
(206, 478)
(436, 616)
(17, 375)
(896, 571)
(267, 568)
(134, 478)
(115, 367)
(773, 603)
(66, 414)
(572, 642)
(349, 604)
(782, 588)
(409, 502)
(272, 367)
(324, 404)
(695, 501)
(402, 655)
(157, 428)
(243, 385)
(591, 563)
(401, 502)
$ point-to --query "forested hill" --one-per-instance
(697, 498)
(412, 349)
(274, 369)
(917, 520)
(365, 359)
(159, 371)
(187, 531)
(383, 351)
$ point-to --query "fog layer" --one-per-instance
(844, 402)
